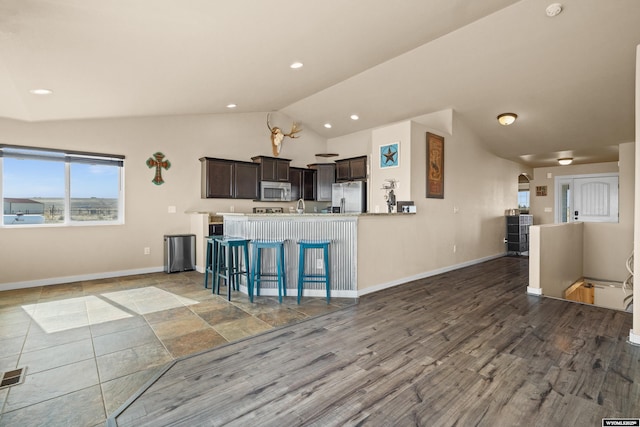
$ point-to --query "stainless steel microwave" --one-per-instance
(275, 191)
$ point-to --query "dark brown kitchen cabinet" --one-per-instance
(228, 179)
(325, 177)
(217, 178)
(272, 168)
(246, 180)
(351, 169)
(302, 183)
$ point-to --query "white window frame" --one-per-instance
(563, 179)
(68, 157)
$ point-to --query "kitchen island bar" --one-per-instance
(341, 230)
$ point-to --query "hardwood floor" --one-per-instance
(468, 347)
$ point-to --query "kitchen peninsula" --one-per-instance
(343, 230)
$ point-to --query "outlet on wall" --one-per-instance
(454, 249)
(147, 251)
(319, 264)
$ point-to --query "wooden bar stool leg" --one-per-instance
(221, 267)
(252, 271)
(326, 271)
(284, 271)
(245, 265)
(259, 272)
(279, 263)
(207, 266)
(300, 272)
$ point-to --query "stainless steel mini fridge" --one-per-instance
(179, 252)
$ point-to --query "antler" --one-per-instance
(277, 136)
(294, 130)
(268, 125)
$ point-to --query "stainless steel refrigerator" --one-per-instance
(349, 197)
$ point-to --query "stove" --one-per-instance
(266, 210)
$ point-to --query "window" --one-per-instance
(523, 193)
(41, 186)
(587, 198)
(523, 201)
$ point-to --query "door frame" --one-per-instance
(562, 179)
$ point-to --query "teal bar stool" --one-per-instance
(313, 278)
(210, 258)
(229, 265)
(257, 276)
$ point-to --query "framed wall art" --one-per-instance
(435, 166)
(390, 155)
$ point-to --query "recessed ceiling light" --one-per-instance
(354, 117)
(41, 91)
(231, 105)
(327, 125)
(554, 9)
(505, 119)
(296, 65)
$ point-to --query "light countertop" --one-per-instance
(310, 214)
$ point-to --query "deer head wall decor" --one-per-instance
(277, 136)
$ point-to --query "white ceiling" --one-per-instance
(570, 79)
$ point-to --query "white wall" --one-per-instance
(634, 334)
(394, 250)
(397, 133)
(546, 177)
(555, 264)
(606, 245)
(32, 256)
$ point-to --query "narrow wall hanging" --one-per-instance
(435, 166)
(157, 162)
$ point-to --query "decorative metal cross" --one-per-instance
(158, 162)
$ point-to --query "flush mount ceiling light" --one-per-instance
(327, 125)
(354, 117)
(296, 65)
(231, 105)
(553, 9)
(565, 161)
(505, 119)
(41, 91)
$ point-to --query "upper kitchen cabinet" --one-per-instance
(228, 179)
(325, 177)
(246, 180)
(302, 183)
(351, 169)
(272, 168)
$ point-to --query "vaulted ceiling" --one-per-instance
(570, 78)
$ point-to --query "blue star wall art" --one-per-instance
(390, 155)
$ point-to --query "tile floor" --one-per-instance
(88, 346)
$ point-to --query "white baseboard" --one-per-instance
(305, 293)
(634, 338)
(266, 292)
(534, 291)
(78, 278)
(424, 275)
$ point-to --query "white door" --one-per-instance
(587, 199)
(595, 199)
